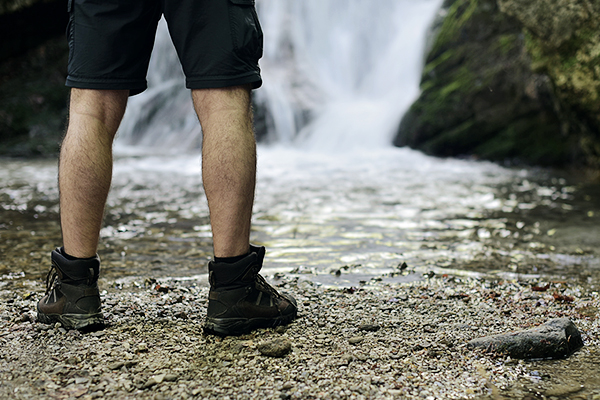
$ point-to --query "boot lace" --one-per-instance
(52, 279)
(263, 286)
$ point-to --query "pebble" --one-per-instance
(356, 339)
(369, 327)
(275, 348)
(154, 380)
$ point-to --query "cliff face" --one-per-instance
(517, 79)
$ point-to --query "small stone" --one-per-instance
(171, 377)
(154, 380)
(356, 339)
(116, 365)
(347, 359)
(181, 315)
(275, 348)
(141, 348)
(281, 329)
(369, 327)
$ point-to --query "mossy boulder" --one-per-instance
(563, 40)
(485, 93)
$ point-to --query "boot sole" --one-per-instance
(241, 326)
(72, 321)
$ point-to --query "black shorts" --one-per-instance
(219, 42)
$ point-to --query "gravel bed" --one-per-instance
(375, 341)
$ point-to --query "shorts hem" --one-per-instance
(134, 86)
(212, 82)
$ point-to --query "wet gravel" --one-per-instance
(375, 341)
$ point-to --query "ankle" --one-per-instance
(74, 258)
(231, 260)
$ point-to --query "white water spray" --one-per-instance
(338, 75)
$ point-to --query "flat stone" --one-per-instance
(116, 365)
(154, 380)
(558, 338)
(369, 327)
(356, 339)
(275, 348)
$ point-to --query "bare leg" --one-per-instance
(228, 165)
(85, 167)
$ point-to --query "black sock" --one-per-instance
(71, 258)
(231, 260)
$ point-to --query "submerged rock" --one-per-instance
(558, 338)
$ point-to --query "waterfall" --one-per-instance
(338, 75)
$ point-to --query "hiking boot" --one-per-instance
(240, 300)
(72, 296)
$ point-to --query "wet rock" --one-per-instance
(557, 338)
(275, 348)
(502, 81)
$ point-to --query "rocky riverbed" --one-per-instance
(379, 340)
(397, 261)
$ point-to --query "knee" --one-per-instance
(235, 99)
(105, 106)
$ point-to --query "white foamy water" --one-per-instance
(338, 75)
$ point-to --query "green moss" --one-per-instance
(506, 43)
(458, 14)
(455, 141)
(525, 139)
(440, 60)
(448, 89)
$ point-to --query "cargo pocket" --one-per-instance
(246, 32)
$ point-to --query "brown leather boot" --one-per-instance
(72, 296)
(240, 299)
